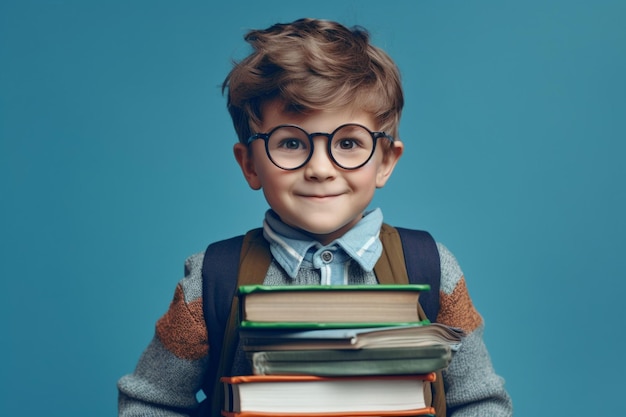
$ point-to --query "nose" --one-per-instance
(320, 167)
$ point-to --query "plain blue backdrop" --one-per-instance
(116, 164)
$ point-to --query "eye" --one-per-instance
(346, 144)
(292, 144)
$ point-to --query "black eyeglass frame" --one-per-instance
(329, 136)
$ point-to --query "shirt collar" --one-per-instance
(290, 246)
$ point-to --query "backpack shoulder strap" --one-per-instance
(411, 256)
(219, 277)
(423, 265)
(227, 264)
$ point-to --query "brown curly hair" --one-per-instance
(313, 64)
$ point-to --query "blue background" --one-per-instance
(115, 164)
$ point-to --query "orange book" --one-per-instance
(428, 411)
(316, 396)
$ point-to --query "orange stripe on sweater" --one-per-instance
(457, 310)
(182, 330)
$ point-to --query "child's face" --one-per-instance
(319, 198)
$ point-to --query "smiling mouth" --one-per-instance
(320, 197)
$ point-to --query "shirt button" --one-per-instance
(327, 256)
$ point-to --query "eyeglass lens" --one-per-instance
(289, 146)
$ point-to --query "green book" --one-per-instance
(315, 325)
(249, 289)
(330, 305)
(384, 361)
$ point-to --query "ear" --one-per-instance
(244, 158)
(390, 159)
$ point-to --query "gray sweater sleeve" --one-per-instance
(472, 386)
(171, 370)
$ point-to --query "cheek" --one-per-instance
(365, 178)
(273, 179)
(264, 168)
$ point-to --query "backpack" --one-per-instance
(409, 256)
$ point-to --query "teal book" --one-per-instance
(361, 362)
(409, 336)
(329, 305)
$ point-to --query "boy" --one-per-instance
(303, 78)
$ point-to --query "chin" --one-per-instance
(331, 231)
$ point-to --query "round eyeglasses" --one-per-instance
(290, 147)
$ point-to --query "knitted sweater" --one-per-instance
(171, 370)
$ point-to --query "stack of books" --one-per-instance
(337, 351)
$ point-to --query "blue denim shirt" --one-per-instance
(293, 249)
